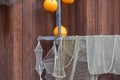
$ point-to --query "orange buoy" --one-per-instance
(67, 1)
(51, 5)
(63, 31)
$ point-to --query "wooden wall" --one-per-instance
(22, 23)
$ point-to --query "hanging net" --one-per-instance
(39, 64)
(116, 63)
(100, 54)
(46, 63)
(80, 57)
(103, 54)
(71, 59)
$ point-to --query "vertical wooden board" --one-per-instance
(8, 42)
(17, 33)
(28, 44)
(117, 17)
(3, 55)
(13, 41)
(66, 17)
(92, 17)
(71, 24)
(106, 22)
(41, 17)
(74, 17)
(102, 16)
(103, 21)
(110, 17)
(106, 16)
(80, 15)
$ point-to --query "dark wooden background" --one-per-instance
(22, 23)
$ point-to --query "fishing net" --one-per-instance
(46, 63)
(116, 63)
(103, 54)
(100, 53)
(58, 65)
(71, 59)
(80, 57)
(39, 64)
(48, 60)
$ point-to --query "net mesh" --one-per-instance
(74, 59)
(116, 63)
(46, 63)
(103, 54)
(100, 53)
(48, 60)
(80, 57)
(39, 65)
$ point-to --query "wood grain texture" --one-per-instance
(21, 24)
(92, 17)
(106, 16)
(13, 41)
(17, 55)
(101, 17)
(117, 17)
(28, 46)
(8, 38)
(3, 55)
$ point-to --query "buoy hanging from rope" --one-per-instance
(51, 5)
(63, 31)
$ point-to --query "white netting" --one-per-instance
(39, 65)
(58, 65)
(103, 54)
(100, 54)
(46, 63)
(116, 64)
(73, 59)
(80, 57)
(48, 60)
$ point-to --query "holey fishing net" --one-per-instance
(46, 63)
(71, 59)
(103, 54)
(80, 57)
